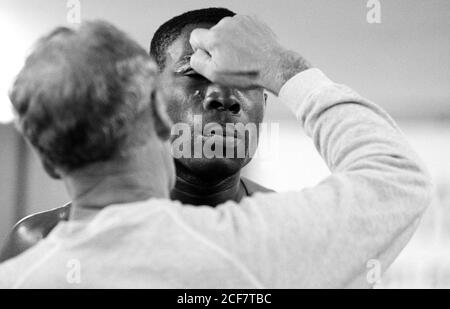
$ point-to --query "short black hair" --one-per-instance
(168, 32)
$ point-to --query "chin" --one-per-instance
(214, 169)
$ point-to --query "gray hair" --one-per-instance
(84, 95)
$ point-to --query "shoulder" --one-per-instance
(42, 222)
(31, 229)
(252, 187)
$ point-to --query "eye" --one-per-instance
(184, 69)
(189, 72)
(194, 75)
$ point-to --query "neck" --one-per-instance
(114, 182)
(195, 190)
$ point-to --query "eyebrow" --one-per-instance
(183, 65)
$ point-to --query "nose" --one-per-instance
(221, 99)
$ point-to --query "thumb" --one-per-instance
(202, 63)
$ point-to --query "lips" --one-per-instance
(215, 129)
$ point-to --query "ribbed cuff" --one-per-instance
(296, 90)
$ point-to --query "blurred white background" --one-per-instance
(402, 64)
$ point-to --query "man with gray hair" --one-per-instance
(86, 100)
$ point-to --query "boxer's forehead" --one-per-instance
(180, 48)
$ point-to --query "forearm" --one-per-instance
(371, 204)
(347, 129)
(285, 65)
(368, 207)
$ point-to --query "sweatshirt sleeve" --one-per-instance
(333, 234)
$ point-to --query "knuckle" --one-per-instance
(194, 33)
(215, 37)
(224, 23)
(193, 36)
(226, 20)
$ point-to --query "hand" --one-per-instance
(243, 52)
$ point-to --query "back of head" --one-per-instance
(84, 95)
(168, 32)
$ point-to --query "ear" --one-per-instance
(162, 122)
(265, 98)
(51, 170)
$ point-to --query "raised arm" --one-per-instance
(322, 236)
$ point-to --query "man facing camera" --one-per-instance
(203, 180)
(200, 180)
(92, 89)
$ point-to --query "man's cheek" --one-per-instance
(257, 113)
(175, 114)
(176, 107)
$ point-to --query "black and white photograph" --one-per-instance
(224, 145)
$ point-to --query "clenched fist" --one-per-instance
(243, 52)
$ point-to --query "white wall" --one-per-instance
(8, 164)
(402, 64)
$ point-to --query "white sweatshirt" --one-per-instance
(326, 236)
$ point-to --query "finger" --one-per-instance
(252, 74)
(201, 39)
(224, 21)
(201, 62)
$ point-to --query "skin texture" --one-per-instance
(198, 181)
(209, 181)
(145, 172)
(254, 60)
(30, 230)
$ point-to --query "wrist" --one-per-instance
(287, 64)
